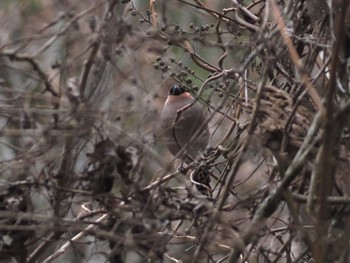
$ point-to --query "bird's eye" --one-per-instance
(176, 90)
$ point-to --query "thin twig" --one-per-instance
(76, 238)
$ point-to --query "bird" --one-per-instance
(184, 128)
(183, 124)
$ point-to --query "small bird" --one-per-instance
(189, 132)
(184, 127)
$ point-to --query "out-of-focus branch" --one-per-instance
(76, 238)
(295, 57)
(270, 204)
(35, 65)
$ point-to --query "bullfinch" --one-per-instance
(183, 124)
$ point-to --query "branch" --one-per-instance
(35, 65)
(295, 57)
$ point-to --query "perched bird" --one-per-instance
(183, 124)
(184, 128)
